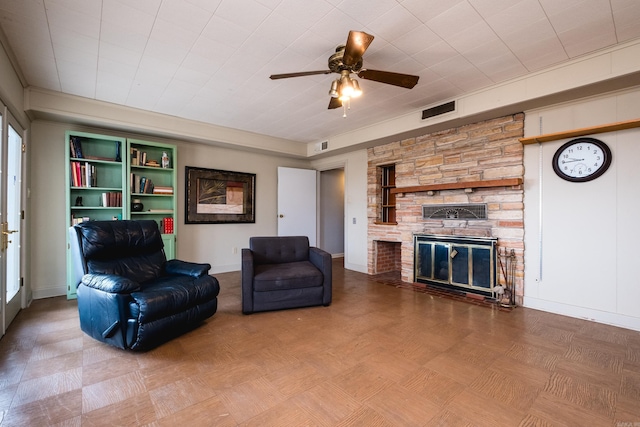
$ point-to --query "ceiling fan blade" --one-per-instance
(334, 103)
(396, 79)
(301, 74)
(357, 44)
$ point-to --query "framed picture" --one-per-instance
(219, 197)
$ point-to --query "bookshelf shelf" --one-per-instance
(101, 181)
(155, 168)
(150, 195)
(96, 188)
(158, 212)
(96, 208)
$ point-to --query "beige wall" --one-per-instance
(212, 243)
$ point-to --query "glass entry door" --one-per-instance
(11, 157)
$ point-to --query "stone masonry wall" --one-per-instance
(487, 150)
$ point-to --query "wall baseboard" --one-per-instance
(49, 292)
(614, 319)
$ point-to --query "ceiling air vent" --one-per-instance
(440, 109)
(466, 211)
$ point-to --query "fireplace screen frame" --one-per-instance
(466, 274)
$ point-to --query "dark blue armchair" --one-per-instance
(284, 272)
(129, 295)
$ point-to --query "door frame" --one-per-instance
(9, 119)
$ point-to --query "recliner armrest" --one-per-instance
(110, 283)
(192, 269)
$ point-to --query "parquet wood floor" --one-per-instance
(378, 356)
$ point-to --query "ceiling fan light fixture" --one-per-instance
(356, 88)
(346, 87)
(335, 87)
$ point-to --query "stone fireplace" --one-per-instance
(480, 163)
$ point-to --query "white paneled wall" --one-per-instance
(581, 239)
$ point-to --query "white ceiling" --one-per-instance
(209, 60)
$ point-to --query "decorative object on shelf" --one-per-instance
(79, 201)
(582, 159)
(136, 205)
(165, 160)
(118, 155)
(218, 196)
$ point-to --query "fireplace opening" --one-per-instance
(388, 257)
(461, 263)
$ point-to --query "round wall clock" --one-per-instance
(582, 159)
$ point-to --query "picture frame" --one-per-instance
(214, 196)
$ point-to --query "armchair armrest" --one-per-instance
(322, 260)
(185, 268)
(247, 281)
(110, 283)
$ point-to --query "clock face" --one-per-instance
(582, 159)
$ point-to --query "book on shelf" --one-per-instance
(167, 225)
(138, 158)
(76, 147)
(83, 174)
(160, 189)
(77, 220)
(133, 153)
(112, 199)
(146, 185)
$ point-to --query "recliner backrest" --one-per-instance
(133, 249)
(276, 250)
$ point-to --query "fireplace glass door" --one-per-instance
(463, 263)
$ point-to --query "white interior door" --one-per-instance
(297, 203)
(11, 219)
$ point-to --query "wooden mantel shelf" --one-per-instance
(510, 182)
(612, 127)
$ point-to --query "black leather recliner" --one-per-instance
(284, 272)
(129, 295)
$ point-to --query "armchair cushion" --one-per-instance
(272, 277)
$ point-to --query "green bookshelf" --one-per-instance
(103, 180)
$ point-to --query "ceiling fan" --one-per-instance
(347, 60)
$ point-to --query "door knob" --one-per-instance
(9, 231)
(281, 216)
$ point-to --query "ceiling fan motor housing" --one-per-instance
(337, 65)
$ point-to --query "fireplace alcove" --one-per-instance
(387, 257)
